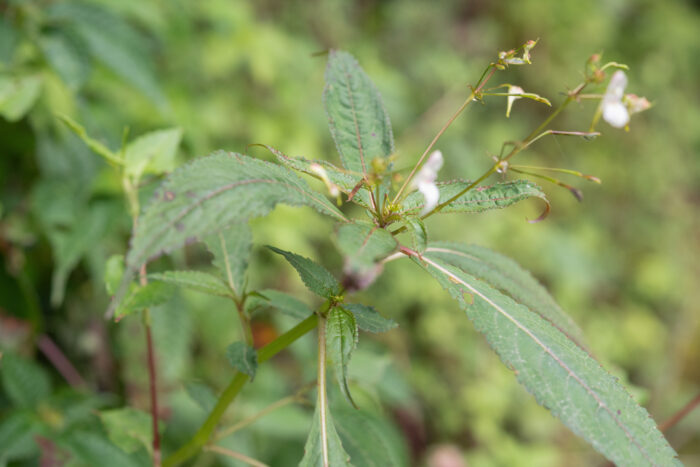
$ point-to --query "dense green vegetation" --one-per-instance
(213, 74)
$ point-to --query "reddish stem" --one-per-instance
(60, 362)
(680, 415)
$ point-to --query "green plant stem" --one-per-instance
(321, 384)
(195, 444)
(482, 82)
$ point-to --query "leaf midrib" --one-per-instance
(549, 351)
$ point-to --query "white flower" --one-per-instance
(614, 110)
(511, 99)
(425, 181)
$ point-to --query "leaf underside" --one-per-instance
(357, 119)
(313, 450)
(562, 377)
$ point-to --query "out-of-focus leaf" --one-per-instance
(201, 394)
(510, 278)
(478, 199)
(8, 41)
(17, 431)
(113, 42)
(142, 298)
(195, 280)
(231, 249)
(68, 54)
(153, 152)
(243, 358)
(357, 119)
(17, 95)
(114, 270)
(316, 278)
(25, 383)
(281, 301)
(370, 440)
(341, 339)
(314, 449)
(368, 319)
(363, 244)
(129, 429)
(563, 377)
(209, 195)
(92, 448)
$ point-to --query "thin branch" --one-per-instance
(235, 455)
(60, 362)
(680, 415)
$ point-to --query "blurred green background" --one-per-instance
(625, 263)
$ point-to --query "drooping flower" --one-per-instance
(614, 110)
(425, 181)
(513, 98)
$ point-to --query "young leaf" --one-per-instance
(243, 358)
(482, 198)
(129, 429)
(313, 450)
(316, 278)
(281, 301)
(17, 95)
(363, 244)
(231, 249)
(67, 53)
(207, 196)
(153, 152)
(368, 319)
(341, 340)
(195, 280)
(357, 119)
(25, 383)
(507, 276)
(370, 440)
(345, 180)
(562, 376)
(141, 298)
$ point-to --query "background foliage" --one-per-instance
(623, 263)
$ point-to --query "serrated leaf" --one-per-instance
(17, 95)
(357, 119)
(142, 298)
(345, 180)
(363, 244)
(313, 450)
(26, 384)
(129, 429)
(479, 199)
(114, 270)
(281, 301)
(371, 441)
(207, 196)
(368, 319)
(243, 358)
(152, 152)
(201, 394)
(510, 278)
(194, 280)
(92, 448)
(316, 278)
(341, 339)
(563, 377)
(231, 249)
